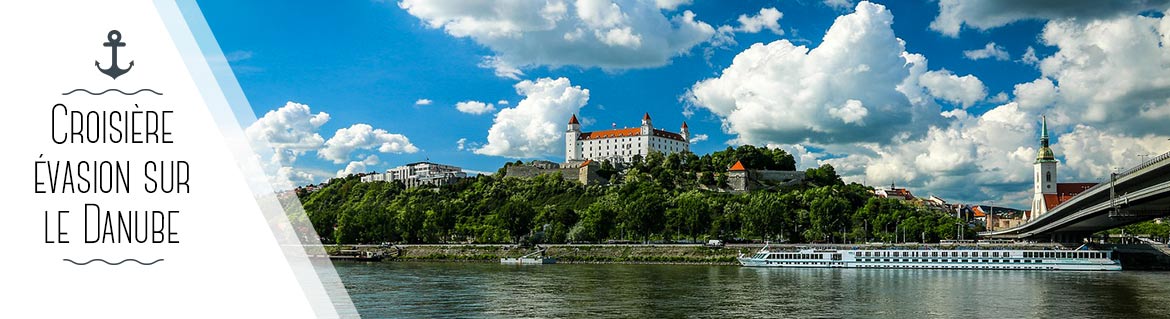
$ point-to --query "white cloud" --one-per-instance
(1110, 74)
(282, 135)
(999, 98)
(461, 144)
(352, 168)
(289, 131)
(363, 137)
(535, 126)
(964, 90)
(768, 18)
(1094, 153)
(1029, 57)
(475, 107)
(699, 138)
(503, 102)
(839, 4)
(1035, 95)
(852, 112)
(422, 102)
(671, 5)
(608, 34)
(787, 94)
(501, 68)
(287, 177)
(991, 50)
(988, 14)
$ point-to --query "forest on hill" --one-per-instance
(659, 198)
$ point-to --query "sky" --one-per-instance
(942, 97)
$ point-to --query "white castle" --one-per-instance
(621, 145)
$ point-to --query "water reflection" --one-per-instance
(458, 290)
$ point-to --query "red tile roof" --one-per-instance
(684, 124)
(627, 132)
(646, 117)
(573, 120)
(737, 167)
(623, 132)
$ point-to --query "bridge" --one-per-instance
(1138, 194)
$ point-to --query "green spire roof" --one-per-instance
(1045, 154)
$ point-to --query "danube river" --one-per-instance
(461, 290)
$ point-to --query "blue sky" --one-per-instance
(920, 108)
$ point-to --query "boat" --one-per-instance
(534, 258)
(358, 255)
(1003, 259)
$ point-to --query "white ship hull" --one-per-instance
(1086, 260)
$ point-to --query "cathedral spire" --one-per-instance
(1045, 154)
(1044, 130)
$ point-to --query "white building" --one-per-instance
(420, 173)
(621, 145)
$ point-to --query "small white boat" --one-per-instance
(534, 258)
(528, 261)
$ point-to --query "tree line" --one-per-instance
(676, 197)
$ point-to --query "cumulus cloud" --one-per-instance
(363, 137)
(991, 50)
(280, 137)
(461, 144)
(475, 107)
(535, 126)
(971, 158)
(1035, 95)
(609, 34)
(1111, 74)
(503, 102)
(988, 14)
(671, 4)
(699, 138)
(839, 4)
(964, 90)
(1095, 152)
(768, 18)
(1030, 57)
(358, 167)
(289, 131)
(858, 85)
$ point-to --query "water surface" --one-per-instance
(461, 290)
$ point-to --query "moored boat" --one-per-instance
(1004, 259)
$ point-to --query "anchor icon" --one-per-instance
(115, 41)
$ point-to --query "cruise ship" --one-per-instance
(1005, 259)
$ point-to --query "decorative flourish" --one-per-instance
(107, 91)
(112, 264)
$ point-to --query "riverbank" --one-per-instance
(590, 254)
(625, 253)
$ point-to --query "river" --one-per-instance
(461, 290)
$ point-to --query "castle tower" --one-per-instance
(685, 132)
(572, 151)
(647, 127)
(1045, 174)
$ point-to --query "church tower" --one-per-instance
(572, 151)
(1045, 174)
(685, 132)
